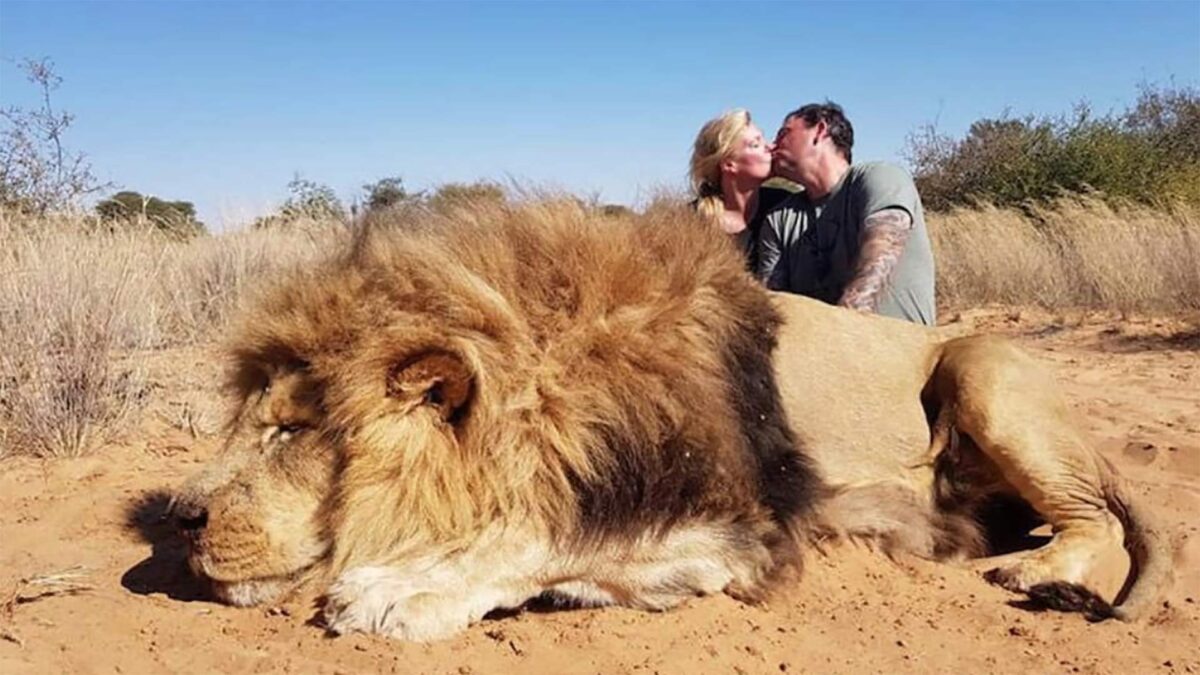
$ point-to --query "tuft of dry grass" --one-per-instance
(1075, 253)
(80, 302)
(68, 304)
(201, 282)
(71, 581)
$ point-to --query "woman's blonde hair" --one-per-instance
(716, 141)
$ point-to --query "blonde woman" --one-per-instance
(730, 160)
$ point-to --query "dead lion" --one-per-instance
(536, 400)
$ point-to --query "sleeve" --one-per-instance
(886, 186)
(772, 267)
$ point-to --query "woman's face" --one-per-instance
(751, 156)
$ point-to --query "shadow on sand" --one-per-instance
(1180, 341)
(165, 571)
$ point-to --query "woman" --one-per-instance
(730, 160)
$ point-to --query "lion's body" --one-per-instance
(548, 402)
(852, 386)
(926, 432)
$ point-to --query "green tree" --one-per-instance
(175, 217)
(386, 193)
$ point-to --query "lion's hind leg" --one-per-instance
(1010, 408)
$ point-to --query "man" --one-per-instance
(856, 235)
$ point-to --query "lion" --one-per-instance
(535, 400)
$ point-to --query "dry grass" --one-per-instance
(80, 307)
(67, 305)
(70, 581)
(78, 303)
(1079, 253)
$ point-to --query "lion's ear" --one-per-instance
(436, 379)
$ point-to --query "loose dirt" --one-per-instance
(92, 581)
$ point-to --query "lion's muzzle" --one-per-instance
(190, 519)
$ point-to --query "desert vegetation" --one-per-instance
(82, 303)
(1071, 253)
(1076, 212)
(1148, 153)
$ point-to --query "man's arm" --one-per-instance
(884, 235)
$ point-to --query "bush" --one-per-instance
(1149, 154)
(68, 309)
(386, 193)
(307, 200)
(38, 174)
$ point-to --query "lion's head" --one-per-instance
(340, 395)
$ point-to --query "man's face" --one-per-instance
(797, 146)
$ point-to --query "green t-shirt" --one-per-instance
(811, 247)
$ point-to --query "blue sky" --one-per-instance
(220, 103)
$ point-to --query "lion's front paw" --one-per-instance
(376, 600)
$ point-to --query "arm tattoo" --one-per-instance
(884, 235)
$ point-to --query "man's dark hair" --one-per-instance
(841, 132)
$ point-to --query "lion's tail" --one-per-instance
(1150, 551)
(895, 518)
(1152, 566)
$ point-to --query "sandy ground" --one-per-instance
(1136, 385)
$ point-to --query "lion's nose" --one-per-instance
(190, 518)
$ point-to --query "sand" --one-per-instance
(124, 604)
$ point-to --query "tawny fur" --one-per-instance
(603, 400)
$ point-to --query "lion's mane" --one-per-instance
(620, 382)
